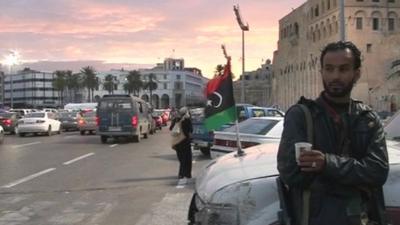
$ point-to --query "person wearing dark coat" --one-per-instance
(348, 163)
(183, 148)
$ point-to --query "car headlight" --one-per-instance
(218, 214)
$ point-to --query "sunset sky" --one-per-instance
(142, 31)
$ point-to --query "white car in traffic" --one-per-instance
(253, 131)
(39, 122)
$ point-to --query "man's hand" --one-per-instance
(312, 161)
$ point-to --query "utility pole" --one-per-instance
(342, 21)
(243, 28)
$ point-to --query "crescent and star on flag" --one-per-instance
(215, 93)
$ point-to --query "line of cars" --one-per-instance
(115, 116)
(255, 131)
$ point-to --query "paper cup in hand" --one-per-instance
(301, 146)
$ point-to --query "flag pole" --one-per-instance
(240, 152)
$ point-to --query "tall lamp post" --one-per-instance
(244, 28)
(342, 21)
(11, 60)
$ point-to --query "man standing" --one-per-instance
(348, 164)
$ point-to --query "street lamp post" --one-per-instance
(244, 28)
(11, 60)
(342, 21)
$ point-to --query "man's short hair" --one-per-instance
(343, 45)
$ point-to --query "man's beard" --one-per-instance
(341, 90)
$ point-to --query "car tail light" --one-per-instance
(134, 121)
(393, 214)
(81, 122)
(246, 144)
(7, 122)
(40, 121)
(97, 120)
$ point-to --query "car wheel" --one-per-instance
(59, 131)
(103, 139)
(21, 134)
(205, 151)
(49, 131)
(82, 132)
(1, 137)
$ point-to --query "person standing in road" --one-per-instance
(348, 163)
(183, 146)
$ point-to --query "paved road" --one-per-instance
(74, 179)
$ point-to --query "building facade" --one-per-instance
(373, 25)
(257, 86)
(177, 85)
(30, 89)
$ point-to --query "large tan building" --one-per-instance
(373, 25)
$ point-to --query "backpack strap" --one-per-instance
(306, 192)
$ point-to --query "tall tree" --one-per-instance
(74, 84)
(219, 70)
(59, 83)
(133, 83)
(151, 85)
(109, 84)
(90, 80)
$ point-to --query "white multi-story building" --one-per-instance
(373, 25)
(177, 86)
(30, 89)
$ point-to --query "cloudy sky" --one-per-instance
(141, 31)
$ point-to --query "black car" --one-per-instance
(8, 120)
(68, 121)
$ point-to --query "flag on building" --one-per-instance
(220, 108)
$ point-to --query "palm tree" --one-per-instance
(109, 84)
(59, 83)
(74, 84)
(90, 80)
(151, 85)
(134, 83)
(219, 70)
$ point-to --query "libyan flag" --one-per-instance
(220, 108)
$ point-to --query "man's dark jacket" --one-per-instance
(359, 173)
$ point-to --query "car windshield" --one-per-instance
(6, 115)
(35, 115)
(197, 114)
(158, 113)
(254, 126)
(392, 128)
(258, 112)
(112, 104)
(67, 114)
(88, 114)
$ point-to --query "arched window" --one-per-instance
(392, 18)
(336, 27)
(359, 19)
(376, 20)
(296, 28)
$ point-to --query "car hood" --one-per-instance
(258, 161)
